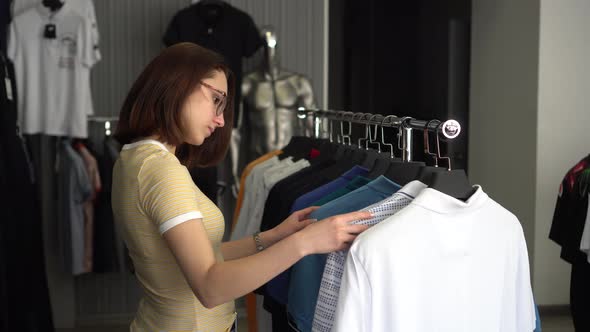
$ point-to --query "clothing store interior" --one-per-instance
(460, 125)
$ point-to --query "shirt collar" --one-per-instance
(384, 185)
(442, 203)
(412, 189)
(46, 13)
(145, 141)
(355, 171)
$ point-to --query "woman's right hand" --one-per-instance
(333, 233)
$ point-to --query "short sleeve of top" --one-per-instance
(89, 41)
(167, 194)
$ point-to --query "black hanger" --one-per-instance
(53, 5)
(426, 172)
(371, 158)
(298, 147)
(403, 172)
(451, 182)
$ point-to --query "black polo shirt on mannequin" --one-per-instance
(219, 27)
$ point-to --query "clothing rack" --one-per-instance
(449, 129)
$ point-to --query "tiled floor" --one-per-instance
(551, 323)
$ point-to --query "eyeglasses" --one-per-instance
(219, 98)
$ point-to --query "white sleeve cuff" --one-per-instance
(165, 226)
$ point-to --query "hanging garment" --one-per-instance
(309, 198)
(270, 178)
(304, 284)
(277, 288)
(331, 279)
(585, 241)
(567, 230)
(353, 185)
(570, 212)
(327, 167)
(53, 74)
(250, 297)
(285, 192)
(440, 264)
(243, 177)
(5, 18)
(109, 252)
(74, 189)
(94, 177)
(252, 181)
(288, 191)
(24, 294)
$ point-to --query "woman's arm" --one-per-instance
(246, 246)
(215, 283)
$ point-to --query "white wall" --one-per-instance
(503, 104)
(563, 136)
(529, 100)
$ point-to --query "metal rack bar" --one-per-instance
(450, 128)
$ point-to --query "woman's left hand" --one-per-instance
(294, 223)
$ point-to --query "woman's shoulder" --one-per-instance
(161, 164)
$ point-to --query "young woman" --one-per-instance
(175, 116)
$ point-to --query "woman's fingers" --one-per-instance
(356, 229)
(304, 213)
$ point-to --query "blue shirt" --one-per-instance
(307, 199)
(278, 287)
(306, 275)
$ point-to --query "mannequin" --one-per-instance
(271, 96)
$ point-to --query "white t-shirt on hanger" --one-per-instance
(53, 75)
(440, 264)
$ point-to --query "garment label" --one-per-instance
(8, 85)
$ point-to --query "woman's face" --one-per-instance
(198, 115)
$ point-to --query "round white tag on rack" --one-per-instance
(451, 128)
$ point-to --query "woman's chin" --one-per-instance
(195, 141)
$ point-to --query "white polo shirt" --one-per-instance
(440, 264)
(53, 75)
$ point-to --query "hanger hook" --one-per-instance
(346, 136)
(373, 140)
(363, 115)
(340, 118)
(400, 130)
(391, 155)
(360, 117)
(438, 148)
(427, 141)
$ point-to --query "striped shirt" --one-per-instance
(153, 192)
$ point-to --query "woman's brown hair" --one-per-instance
(155, 101)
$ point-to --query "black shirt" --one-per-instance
(222, 28)
(24, 293)
(4, 21)
(570, 212)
